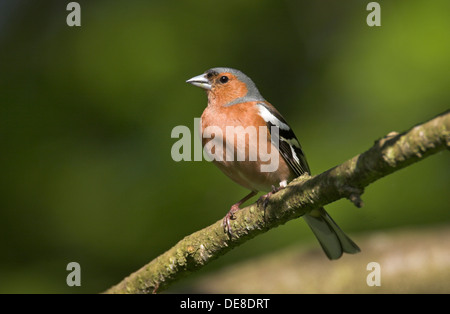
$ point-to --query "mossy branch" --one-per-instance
(348, 180)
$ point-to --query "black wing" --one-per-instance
(288, 144)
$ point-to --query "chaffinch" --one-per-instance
(234, 101)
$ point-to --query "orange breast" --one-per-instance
(239, 141)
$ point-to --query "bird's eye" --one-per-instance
(223, 79)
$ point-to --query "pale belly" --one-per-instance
(251, 174)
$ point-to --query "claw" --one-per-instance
(230, 216)
(265, 198)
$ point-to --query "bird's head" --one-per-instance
(227, 86)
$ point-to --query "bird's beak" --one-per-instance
(200, 81)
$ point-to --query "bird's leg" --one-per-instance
(234, 209)
(265, 198)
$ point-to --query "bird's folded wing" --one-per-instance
(288, 144)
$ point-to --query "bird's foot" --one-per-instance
(234, 209)
(264, 199)
(230, 216)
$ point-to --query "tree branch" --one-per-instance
(348, 180)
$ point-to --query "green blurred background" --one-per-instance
(86, 115)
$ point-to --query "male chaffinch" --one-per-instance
(234, 101)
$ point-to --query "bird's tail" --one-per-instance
(332, 239)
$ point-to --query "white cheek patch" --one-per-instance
(268, 117)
